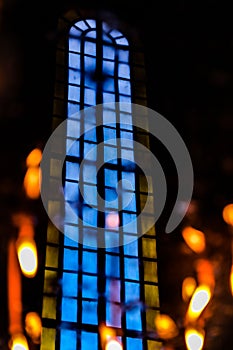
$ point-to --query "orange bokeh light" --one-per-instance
(113, 344)
(34, 158)
(231, 280)
(194, 339)
(33, 326)
(195, 239)
(227, 214)
(165, 326)
(188, 286)
(205, 273)
(198, 302)
(18, 342)
(32, 182)
(27, 255)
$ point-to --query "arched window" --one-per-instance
(99, 283)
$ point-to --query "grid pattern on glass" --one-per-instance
(112, 285)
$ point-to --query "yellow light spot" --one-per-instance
(113, 345)
(18, 342)
(228, 214)
(198, 302)
(231, 280)
(188, 286)
(195, 239)
(33, 326)
(34, 158)
(165, 326)
(194, 339)
(27, 255)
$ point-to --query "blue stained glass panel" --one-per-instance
(89, 314)
(68, 339)
(69, 310)
(88, 338)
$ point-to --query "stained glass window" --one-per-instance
(87, 285)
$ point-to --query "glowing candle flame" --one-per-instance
(231, 280)
(165, 326)
(228, 214)
(33, 326)
(113, 345)
(14, 291)
(198, 302)
(188, 287)
(194, 339)
(27, 255)
(34, 158)
(32, 182)
(18, 342)
(195, 239)
(205, 273)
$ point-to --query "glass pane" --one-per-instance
(110, 178)
(69, 284)
(70, 259)
(108, 67)
(82, 25)
(68, 339)
(69, 310)
(89, 287)
(89, 97)
(131, 248)
(134, 343)
(131, 268)
(90, 48)
(133, 319)
(87, 339)
(91, 23)
(123, 56)
(90, 216)
(89, 263)
(108, 52)
(74, 93)
(112, 266)
(72, 171)
(124, 87)
(74, 61)
(89, 173)
(123, 70)
(89, 312)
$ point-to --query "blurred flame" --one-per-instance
(194, 339)
(188, 286)
(195, 239)
(33, 174)
(165, 326)
(33, 326)
(18, 342)
(198, 302)
(14, 290)
(27, 255)
(205, 273)
(32, 182)
(227, 214)
(113, 344)
(34, 158)
(231, 280)
(106, 333)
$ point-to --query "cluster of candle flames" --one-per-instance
(22, 258)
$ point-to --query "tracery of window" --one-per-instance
(116, 286)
